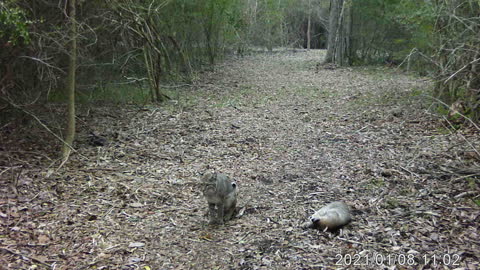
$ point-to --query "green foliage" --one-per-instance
(477, 202)
(472, 183)
(377, 182)
(13, 24)
(387, 31)
(392, 203)
(121, 94)
(267, 29)
(416, 92)
(418, 19)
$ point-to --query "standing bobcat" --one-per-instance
(221, 195)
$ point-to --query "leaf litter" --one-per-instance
(294, 136)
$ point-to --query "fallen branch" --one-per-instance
(459, 113)
(25, 256)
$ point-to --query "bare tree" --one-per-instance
(72, 65)
(458, 54)
(309, 25)
(339, 33)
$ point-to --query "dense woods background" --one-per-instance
(130, 51)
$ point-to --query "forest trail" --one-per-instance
(294, 136)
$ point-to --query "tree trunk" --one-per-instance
(332, 29)
(72, 64)
(309, 22)
(339, 33)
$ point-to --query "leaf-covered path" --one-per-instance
(294, 136)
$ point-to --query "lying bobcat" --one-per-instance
(330, 217)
